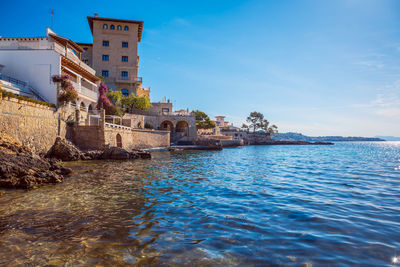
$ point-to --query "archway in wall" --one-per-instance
(167, 126)
(82, 106)
(90, 107)
(182, 127)
(119, 140)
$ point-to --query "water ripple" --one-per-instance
(252, 206)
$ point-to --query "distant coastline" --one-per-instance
(300, 137)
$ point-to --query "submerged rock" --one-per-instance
(20, 168)
(118, 153)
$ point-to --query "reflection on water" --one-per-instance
(287, 205)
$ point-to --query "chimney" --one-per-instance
(96, 15)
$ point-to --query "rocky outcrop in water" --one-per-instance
(208, 143)
(66, 151)
(20, 168)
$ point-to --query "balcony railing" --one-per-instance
(128, 80)
(85, 91)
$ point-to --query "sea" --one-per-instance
(335, 205)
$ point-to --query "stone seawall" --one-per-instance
(136, 138)
(34, 126)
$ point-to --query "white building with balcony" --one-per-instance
(35, 60)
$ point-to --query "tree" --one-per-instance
(245, 127)
(255, 120)
(138, 102)
(125, 103)
(273, 129)
(202, 120)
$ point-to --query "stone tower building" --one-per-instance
(114, 53)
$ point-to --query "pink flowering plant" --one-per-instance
(104, 101)
(67, 92)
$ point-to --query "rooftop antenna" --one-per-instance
(52, 12)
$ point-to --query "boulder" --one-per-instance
(65, 151)
(116, 153)
(20, 168)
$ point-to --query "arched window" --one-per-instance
(105, 26)
(125, 92)
(119, 27)
(112, 27)
(126, 28)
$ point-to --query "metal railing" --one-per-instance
(23, 84)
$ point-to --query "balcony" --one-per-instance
(128, 80)
(82, 90)
(74, 58)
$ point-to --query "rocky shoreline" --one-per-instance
(282, 142)
(22, 169)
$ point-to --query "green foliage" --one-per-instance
(257, 121)
(115, 97)
(25, 98)
(123, 103)
(148, 125)
(138, 102)
(202, 120)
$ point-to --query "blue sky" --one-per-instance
(316, 67)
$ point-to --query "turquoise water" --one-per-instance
(251, 206)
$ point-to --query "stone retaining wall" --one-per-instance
(33, 125)
(136, 138)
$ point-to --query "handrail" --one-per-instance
(24, 84)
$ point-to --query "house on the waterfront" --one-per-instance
(114, 56)
(114, 53)
(181, 125)
(31, 62)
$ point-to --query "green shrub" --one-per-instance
(25, 98)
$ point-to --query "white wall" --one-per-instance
(33, 66)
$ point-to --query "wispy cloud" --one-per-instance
(371, 63)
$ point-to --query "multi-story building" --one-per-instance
(114, 53)
(31, 62)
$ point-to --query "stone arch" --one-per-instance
(82, 105)
(90, 106)
(182, 127)
(119, 140)
(167, 125)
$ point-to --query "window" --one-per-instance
(112, 27)
(124, 59)
(126, 28)
(119, 27)
(165, 111)
(105, 57)
(124, 44)
(105, 26)
(104, 73)
(106, 43)
(125, 92)
(85, 61)
(124, 75)
(85, 48)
